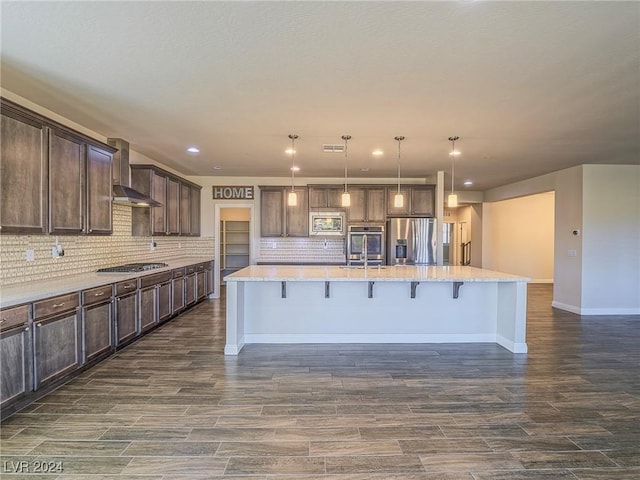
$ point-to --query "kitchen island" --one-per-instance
(392, 304)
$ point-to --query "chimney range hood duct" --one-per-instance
(122, 191)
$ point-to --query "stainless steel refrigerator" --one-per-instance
(411, 241)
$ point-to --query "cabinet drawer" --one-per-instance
(55, 305)
(95, 295)
(122, 288)
(200, 267)
(190, 269)
(155, 279)
(14, 316)
(178, 272)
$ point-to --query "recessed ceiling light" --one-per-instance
(364, 169)
(377, 153)
(289, 151)
(193, 149)
(468, 183)
(217, 167)
(295, 168)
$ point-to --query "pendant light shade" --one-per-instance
(292, 197)
(452, 199)
(398, 198)
(346, 197)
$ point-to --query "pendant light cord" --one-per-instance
(453, 158)
(293, 137)
(399, 139)
(346, 138)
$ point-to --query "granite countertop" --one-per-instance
(31, 291)
(409, 273)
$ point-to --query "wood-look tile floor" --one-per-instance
(172, 406)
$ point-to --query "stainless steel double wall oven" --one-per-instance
(375, 244)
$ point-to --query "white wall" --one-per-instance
(567, 287)
(603, 202)
(611, 239)
(518, 236)
(476, 215)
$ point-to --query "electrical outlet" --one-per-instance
(57, 251)
(30, 255)
(152, 246)
(274, 245)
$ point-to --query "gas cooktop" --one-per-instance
(132, 267)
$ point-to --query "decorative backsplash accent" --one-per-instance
(88, 253)
(302, 250)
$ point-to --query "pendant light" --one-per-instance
(292, 198)
(346, 197)
(452, 199)
(398, 198)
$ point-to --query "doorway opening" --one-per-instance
(234, 245)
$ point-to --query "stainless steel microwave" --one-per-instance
(326, 223)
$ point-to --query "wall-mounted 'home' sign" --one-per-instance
(232, 193)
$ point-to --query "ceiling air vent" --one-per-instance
(332, 148)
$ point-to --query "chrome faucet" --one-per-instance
(364, 256)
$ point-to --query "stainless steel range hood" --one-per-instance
(122, 191)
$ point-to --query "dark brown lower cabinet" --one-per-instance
(201, 282)
(164, 302)
(210, 279)
(191, 289)
(56, 347)
(126, 318)
(177, 289)
(97, 322)
(148, 310)
(97, 325)
(155, 299)
(15, 351)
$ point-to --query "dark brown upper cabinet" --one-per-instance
(277, 219)
(179, 212)
(53, 179)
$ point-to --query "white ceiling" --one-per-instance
(530, 87)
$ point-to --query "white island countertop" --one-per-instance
(408, 273)
(32, 291)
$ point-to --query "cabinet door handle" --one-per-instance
(2, 321)
(26, 329)
(57, 305)
(38, 325)
(90, 230)
(127, 286)
(98, 294)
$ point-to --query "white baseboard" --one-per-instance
(519, 347)
(369, 338)
(566, 307)
(595, 311)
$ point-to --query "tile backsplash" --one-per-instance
(302, 250)
(88, 253)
